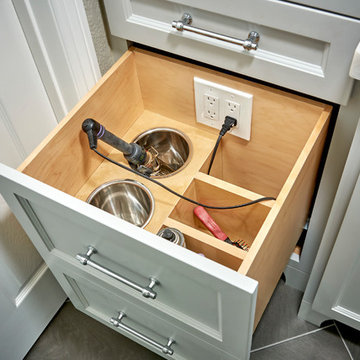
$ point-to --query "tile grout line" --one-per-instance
(292, 338)
(342, 339)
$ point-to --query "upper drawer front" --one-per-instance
(300, 48)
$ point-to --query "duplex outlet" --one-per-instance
(211, 107)
(232, 109)
(214, 102)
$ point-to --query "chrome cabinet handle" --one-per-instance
(166, 349)
(145, 291)
(251, 43)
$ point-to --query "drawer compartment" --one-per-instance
(238, 224)
(145, 91)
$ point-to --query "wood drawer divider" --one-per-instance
(226, 186)
(205, 238)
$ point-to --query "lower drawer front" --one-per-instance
(139, 322)
(68, 272)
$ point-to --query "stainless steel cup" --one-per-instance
(126, 199)
(173, 149)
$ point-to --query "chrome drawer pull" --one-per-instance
(166, 349)
(145, 291)
(251, 43)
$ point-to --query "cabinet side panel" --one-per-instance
(339, 291)
(63, 159)
(281, 230)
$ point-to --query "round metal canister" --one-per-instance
(126, 199)
(173, 235)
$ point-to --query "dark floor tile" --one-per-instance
(321, 345)
(352, 339)
(74, 335)
(280, 321)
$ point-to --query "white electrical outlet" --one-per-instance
(214, 101)
(232, 109)
(211, 107)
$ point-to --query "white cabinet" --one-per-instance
(333, 288)
(196, 296)
(338, 295)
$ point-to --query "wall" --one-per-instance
(108, 48)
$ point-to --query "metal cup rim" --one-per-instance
(130, 182)
(176, 131)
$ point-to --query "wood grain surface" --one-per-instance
(208, 245)
(63, 159)
(282, 228)
(238, 224)
(281, 122)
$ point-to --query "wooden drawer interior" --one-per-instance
(244, 224)
(144, 91)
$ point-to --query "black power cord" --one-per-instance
(227, 125)
(179, 195)
(214, 153)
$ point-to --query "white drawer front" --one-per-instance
(300, 48)
(193, 291)
(345, 7)
(103, 303)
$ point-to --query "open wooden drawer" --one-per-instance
(212, 298)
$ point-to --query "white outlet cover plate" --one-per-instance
(223, 93)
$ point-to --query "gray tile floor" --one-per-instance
(280, 336)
